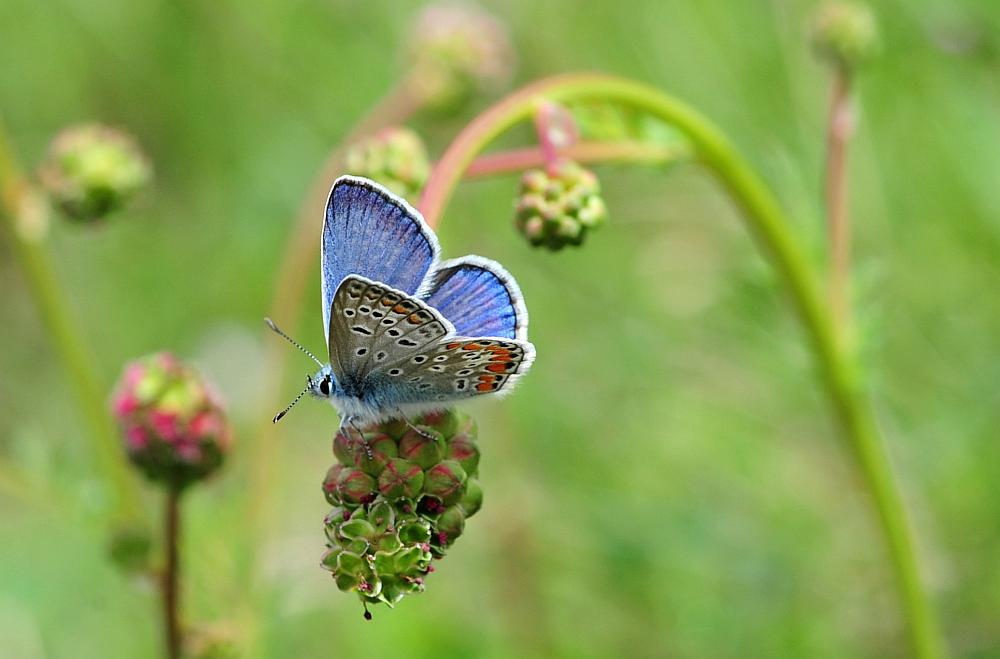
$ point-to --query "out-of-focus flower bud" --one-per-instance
(92, 170)
(219, 640)
(174, 427)
(456, 52)
(845, 33)
(395, 157)
(392, 516)
(130, 547)
(558, 207)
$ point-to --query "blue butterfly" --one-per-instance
(406, 333)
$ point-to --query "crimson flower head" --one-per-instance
(172, 423)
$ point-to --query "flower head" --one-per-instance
(845, 33)
(455, 52)
(92, 170)
(173, 426)
(558, 206)
(395, 157)
(401, 496)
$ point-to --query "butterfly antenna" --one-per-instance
(279, 415)
(276, 330)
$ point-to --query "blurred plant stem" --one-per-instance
(770, 228)
(299, 261)
(839, 130)
(24, 212)
(626, 151)
(171, 574)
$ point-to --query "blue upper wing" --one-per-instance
(371, 232)
(479, 297)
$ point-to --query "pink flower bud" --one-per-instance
(174, 429)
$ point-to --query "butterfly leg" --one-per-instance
(409, 424)
(364, 440)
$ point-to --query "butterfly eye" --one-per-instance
(324, 386)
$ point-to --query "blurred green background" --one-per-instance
(667, 482)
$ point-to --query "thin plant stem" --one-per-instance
(19, 200)
(626, 151)
(839, 131)
(171, 574)
(768, 225)
(299, 261)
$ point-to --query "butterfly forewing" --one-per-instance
(372, 325)
(370, 232)
(392, 349)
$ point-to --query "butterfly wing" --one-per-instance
(453, 369)
(479, 297)
(369, 231)
(392, 350)
(372, 325)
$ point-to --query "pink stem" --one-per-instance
(516, 160)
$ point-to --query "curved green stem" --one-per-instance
(767, 223)
(17, 197)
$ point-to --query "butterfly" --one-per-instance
(407, 333)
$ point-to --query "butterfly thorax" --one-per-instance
(352, 398)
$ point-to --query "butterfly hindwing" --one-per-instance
(479, 297)
(456, 368)
(372, 233)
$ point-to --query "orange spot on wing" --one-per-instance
(414, 319)
(399, 308)
(452, 346)
(497, 368)
(485, 386)
(471, 346)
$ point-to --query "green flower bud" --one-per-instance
(426, 448)
(400, 507)
(355, 486)
(445, 422)
(401, 478)
(92, 170)
(214, 641)
(330, 484)
(845, 34)
(558, 207)
(395, 157)
(446, 481)
(350, 449)
(472, 500)
(464, 450)
(456, 52)
(130, 548)
(450, 525)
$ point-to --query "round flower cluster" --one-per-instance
(92, 170)
(395, 157)
(558, 206)
(401, 496)
(845, 33)
(456, 52)
(174, 427)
